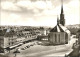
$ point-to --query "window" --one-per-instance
(12, 43)
(59, 37)
(49, 36)
(55, 38)
(9, 43)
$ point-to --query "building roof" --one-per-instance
(7, 32)
(60, 28)
(2, 32)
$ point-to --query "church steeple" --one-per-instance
(62, 20)
(58, 21)
(61, 6)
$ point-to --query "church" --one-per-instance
(59, 34)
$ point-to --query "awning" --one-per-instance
(20, 44)
(13, 46)
(16, 45)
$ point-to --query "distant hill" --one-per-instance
(73, 26)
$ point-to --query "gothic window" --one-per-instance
(59, 37)
(55, 38)
(49, 36)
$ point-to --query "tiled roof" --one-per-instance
(60, 28)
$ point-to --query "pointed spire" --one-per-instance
(58, 21)
(62, 20)
(61, 6)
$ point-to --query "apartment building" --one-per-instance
(8, 40)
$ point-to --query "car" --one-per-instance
(31, 45)
(25, 47)
(22, 48)
(28, 46)
(39, 43)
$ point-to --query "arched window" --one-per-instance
(55, 38)
(59, 38)
(48, 36)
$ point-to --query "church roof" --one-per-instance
(60, 28)
(60, 23)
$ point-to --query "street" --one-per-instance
(41, 51)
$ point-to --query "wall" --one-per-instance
(6, 42)
(1, 41)
(79, 39)
(57, 37)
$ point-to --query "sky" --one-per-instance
(38, 12)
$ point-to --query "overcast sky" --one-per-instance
(38, 13)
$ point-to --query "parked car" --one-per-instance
(31, 45)
(28, 46)
(22, 48)
(39, 43)
(25, 47)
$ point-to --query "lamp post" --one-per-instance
(15, 52)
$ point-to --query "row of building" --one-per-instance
(10, 38)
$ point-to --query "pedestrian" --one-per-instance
(15, 55)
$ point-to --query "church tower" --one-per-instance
(62, 20)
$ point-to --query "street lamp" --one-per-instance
(15, 52)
